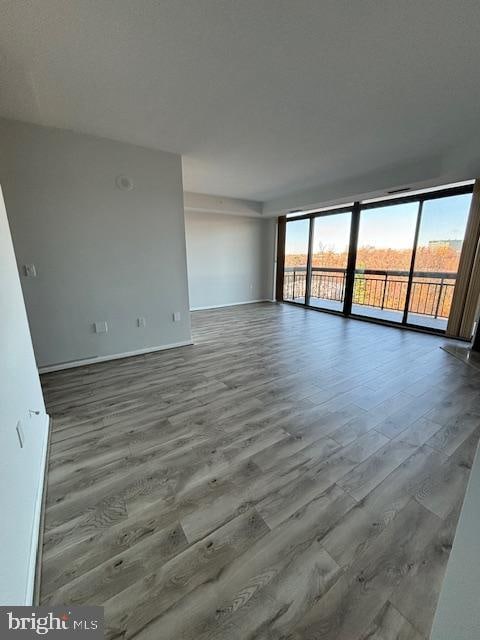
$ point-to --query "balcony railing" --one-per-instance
(431, 293)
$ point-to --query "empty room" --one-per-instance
(240, 291)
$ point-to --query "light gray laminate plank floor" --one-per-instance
(293, 475)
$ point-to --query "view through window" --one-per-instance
(331, 237)
(296, 254)
(384, 256)
(442, 229)
(406, 255)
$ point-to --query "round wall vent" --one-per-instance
(124, 183)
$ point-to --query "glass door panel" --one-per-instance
(296, 257)
(384, 254)
(442, 229)
(331, 239)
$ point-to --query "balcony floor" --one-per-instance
(379, 314)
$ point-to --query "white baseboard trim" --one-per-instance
(116, 356)
(229, 304)
(32, 561)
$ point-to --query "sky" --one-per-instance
(392, 226)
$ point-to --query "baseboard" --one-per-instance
(116, 356)
(229, 304)
(37, 536)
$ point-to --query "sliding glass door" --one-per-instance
(442, 225)
(331, 238)
(393, 261)
(384, 255)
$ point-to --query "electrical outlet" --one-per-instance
(20, 434)
(176, 316)
(101, 327)
(141, 323)
(29, 271)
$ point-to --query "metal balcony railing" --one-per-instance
(431, 293)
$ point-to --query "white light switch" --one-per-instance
(176, 316)
(101, 327)
(141, 322)
(29, 271)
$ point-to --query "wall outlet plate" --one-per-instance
(29, 271)
(101, 327)
(20, 434)
(141, 322)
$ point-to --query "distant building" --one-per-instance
(451, 244)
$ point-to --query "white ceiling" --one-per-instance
(261, 97)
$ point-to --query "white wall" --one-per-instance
(230, 259)
(21, 469)
(458, 615)
(102, 254)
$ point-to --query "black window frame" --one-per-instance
(356, 210)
